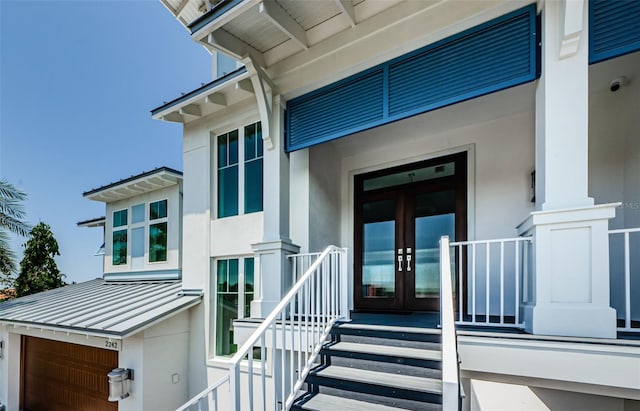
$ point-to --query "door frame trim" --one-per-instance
(462, 226)
(361, 164)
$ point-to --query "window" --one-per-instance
(234, 293)
(224, 64)
(228, 174)
(232, 171)
(129, 236)
(158, 231)
(119, 247)
(120, 218)
(137, 214)
(158, 210)
(253, 191)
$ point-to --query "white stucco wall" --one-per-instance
(614, 164)
(497, 131)
(174, 234)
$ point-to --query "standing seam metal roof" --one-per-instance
(110, 309)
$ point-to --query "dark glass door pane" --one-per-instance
(435, 217)
(379, 239)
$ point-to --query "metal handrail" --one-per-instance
(319, 299)
(212, 389)
(510, 278)
(450, 365)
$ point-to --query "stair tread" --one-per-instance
(322, 402)
(421, 384)
(405, 352)
(390, 328)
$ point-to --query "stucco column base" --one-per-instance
(568, 293)
(272, 274)
(576, 320)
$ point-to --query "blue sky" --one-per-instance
(77, 81)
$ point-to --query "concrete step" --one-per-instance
(411, 337)
(377, 383)
(385, 354)
(324, 402)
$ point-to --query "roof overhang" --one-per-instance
(139, 184)
(94, 222)
(268, 31)
(99, 308)
(210, 98)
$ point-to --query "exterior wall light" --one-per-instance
(1, 353)
(119, 379)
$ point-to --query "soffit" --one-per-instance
(135, 185)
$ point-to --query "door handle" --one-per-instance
(408, 259)
(399, 259)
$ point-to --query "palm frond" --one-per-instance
(14, 225)
(7, 257)
(13, 208)
(9, 191)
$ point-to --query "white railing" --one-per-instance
(298, 325)
(621, 261)
(300, 263)
(450, 370)
(208, 396)
(292, 336)
(487, 268)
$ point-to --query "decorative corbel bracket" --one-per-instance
(263, 89)
(572, 26)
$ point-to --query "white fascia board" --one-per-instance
(200, 96)
(62, 330)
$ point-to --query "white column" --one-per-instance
(196, 203)
(571, 257)
(299, 201)
(273, 272)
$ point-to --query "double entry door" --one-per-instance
(400, 215)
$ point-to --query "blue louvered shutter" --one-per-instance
(335, 110)
(482, 61)
(493, 56)
(614, 28)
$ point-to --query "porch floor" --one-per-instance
(432, 320)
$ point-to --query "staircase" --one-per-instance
(376, 367)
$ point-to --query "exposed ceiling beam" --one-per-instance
(216, 99)
(133, 187)
(181, 8)
(232, 46)
(155, 182)
(191, 110)
(346, 7)
(174, 116)
(281, 19)
(245, 85)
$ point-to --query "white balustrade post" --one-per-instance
(344, 285)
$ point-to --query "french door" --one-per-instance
(400, 215)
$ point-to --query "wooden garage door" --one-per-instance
(59, 376)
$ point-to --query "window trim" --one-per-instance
(148, 223)
(241, 187)
(213, 298)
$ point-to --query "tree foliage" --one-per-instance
(12, 217)
(38, 269)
